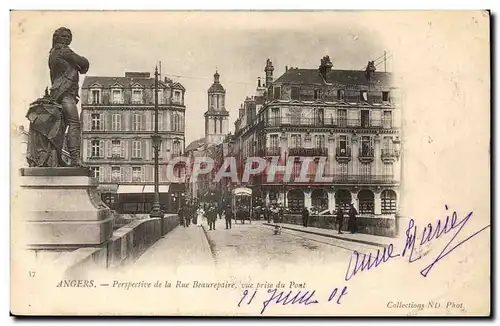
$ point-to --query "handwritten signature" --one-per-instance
(360, 262)
(291, 297)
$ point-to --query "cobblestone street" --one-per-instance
(256, 244)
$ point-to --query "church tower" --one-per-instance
(216, 117)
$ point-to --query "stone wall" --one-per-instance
(368, 225)
(125, 246)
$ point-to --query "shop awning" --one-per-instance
(151, 189)
(177, 187)
(130, 189)
(111, 188)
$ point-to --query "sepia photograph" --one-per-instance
(250, 163)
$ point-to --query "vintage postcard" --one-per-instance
(191, 163)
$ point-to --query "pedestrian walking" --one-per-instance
(305, 216)
(180, 213)
(353, 223)
(228, 215)
(340, 218)
(212, 217)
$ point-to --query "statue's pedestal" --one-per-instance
(62, 209)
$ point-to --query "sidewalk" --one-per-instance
(368, 239)
(181, 246)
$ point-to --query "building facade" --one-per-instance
(117, 125)
(346, 122)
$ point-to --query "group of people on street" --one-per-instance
(194, 212)
(352, 223)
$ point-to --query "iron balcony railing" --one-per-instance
(339, 122)
(318, 151)
(343, 152)
(388, 153)
(295, 178)
(366, 152)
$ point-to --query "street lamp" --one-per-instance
(156, 138)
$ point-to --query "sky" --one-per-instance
(191, 46)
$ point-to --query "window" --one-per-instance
(96, 96)
(137, 96)
(295, 93)
(366, 148)
(343, 169)
(96, 121)
(317, 94)
(116, 122)
(176, 126)
(387, 120)
(116, 148)
(136, 173)
(96, 148)
(319, 140)
(340, 95)
(342, 117)
(137, 122)
(387, 143)
(366, 202)
(363, 95)
(277, 93)
(177, 147)
(319, 116)
(388, 170)
(116, 96)
(274, 141)
(388, 202)
(177, 96)
(96, 171)
(365, 170)
(160, 96)
(275, 116)
(136, 149)
(220, 126)
(343, 144)
(215, 126)
(115, 174)
(296, 141)
(385, 96)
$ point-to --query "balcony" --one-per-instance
(343, 154)
(272, 151)
(388, 155)
(348, 179)
(366, 154)
(320, 151)
(339, 122)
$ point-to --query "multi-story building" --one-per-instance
(347, 119)
(118, 122)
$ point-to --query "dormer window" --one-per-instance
(116, 96)
(137, 96)
(340, 95)
(177, 96)
(385, 96)
(363, 96)
(95, 96)
(160, 96)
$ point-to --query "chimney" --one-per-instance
(370, 69)
(286, 68)
(269, 72)
(325, 67)
(258, 82)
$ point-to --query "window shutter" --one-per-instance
(128, 170)
(101, 121)
(143, 174)
(122, 144)
(86, 120)
(142, 117)
(108, 148)
(122, 174)
(108, 117)
(89, 147)
(101, 148)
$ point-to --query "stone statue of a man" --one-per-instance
(65, 67)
